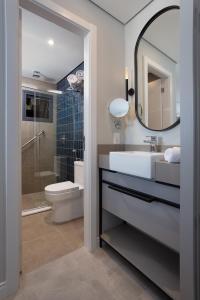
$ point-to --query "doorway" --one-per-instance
(12, 61)
(52, 128)
(52, 133)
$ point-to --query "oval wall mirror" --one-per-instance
(157, 93)
(119, 108)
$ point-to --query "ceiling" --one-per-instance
(122, 10)
(55, 61)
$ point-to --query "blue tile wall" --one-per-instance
(70, 128)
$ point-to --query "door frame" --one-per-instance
(11, 34)
(196, 24)
(148, 62)
(190, 160)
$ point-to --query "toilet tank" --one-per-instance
(79, 172)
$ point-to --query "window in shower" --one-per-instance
(37, 107)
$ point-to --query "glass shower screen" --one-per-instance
(38, 146)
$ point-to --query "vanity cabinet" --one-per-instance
(139, 219)
(148, 214)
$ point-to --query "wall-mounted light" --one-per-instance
(131, 91)
(118, 109)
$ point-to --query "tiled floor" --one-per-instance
(57, 266)
(87, 276)
(43, 241)
(30, 201)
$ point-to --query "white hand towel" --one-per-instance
(173, 155)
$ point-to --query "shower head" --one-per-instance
(39, 75)
(36, 74)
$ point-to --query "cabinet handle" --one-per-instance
(139, 195)
(132, 193)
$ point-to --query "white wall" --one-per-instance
(110, 65)
(134, 132)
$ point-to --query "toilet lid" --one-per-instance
(61, 187)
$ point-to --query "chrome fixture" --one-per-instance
(36, 74)
(42, 132)
(75, 151)
(153, 142)
(117, 123)
(76, 81)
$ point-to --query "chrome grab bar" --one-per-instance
(42, 132)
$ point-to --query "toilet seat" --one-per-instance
(62, 187)
(62, 191)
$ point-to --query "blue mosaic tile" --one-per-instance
(70, 128)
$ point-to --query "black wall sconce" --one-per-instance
(131, 91)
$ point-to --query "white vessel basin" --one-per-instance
(137, 163)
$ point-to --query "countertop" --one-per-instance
(168, 173)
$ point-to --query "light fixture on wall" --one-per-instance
(118, 109)
(131, 91)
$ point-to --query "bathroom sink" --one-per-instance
(137, 163)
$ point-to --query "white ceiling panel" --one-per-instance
(54, 62)
(123, 10)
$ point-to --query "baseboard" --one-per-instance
(2, 290)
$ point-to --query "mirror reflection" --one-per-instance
(119, 108)
(157, 72)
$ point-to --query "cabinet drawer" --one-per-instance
(149, 187)
(159, 220)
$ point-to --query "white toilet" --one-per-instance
(67, 197)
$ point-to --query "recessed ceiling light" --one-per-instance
(51, 42)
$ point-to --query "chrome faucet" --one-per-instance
(153, 142)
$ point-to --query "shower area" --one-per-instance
(52, 102)
(52, 134)
(39, 160)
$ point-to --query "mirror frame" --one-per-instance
(158, 14)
